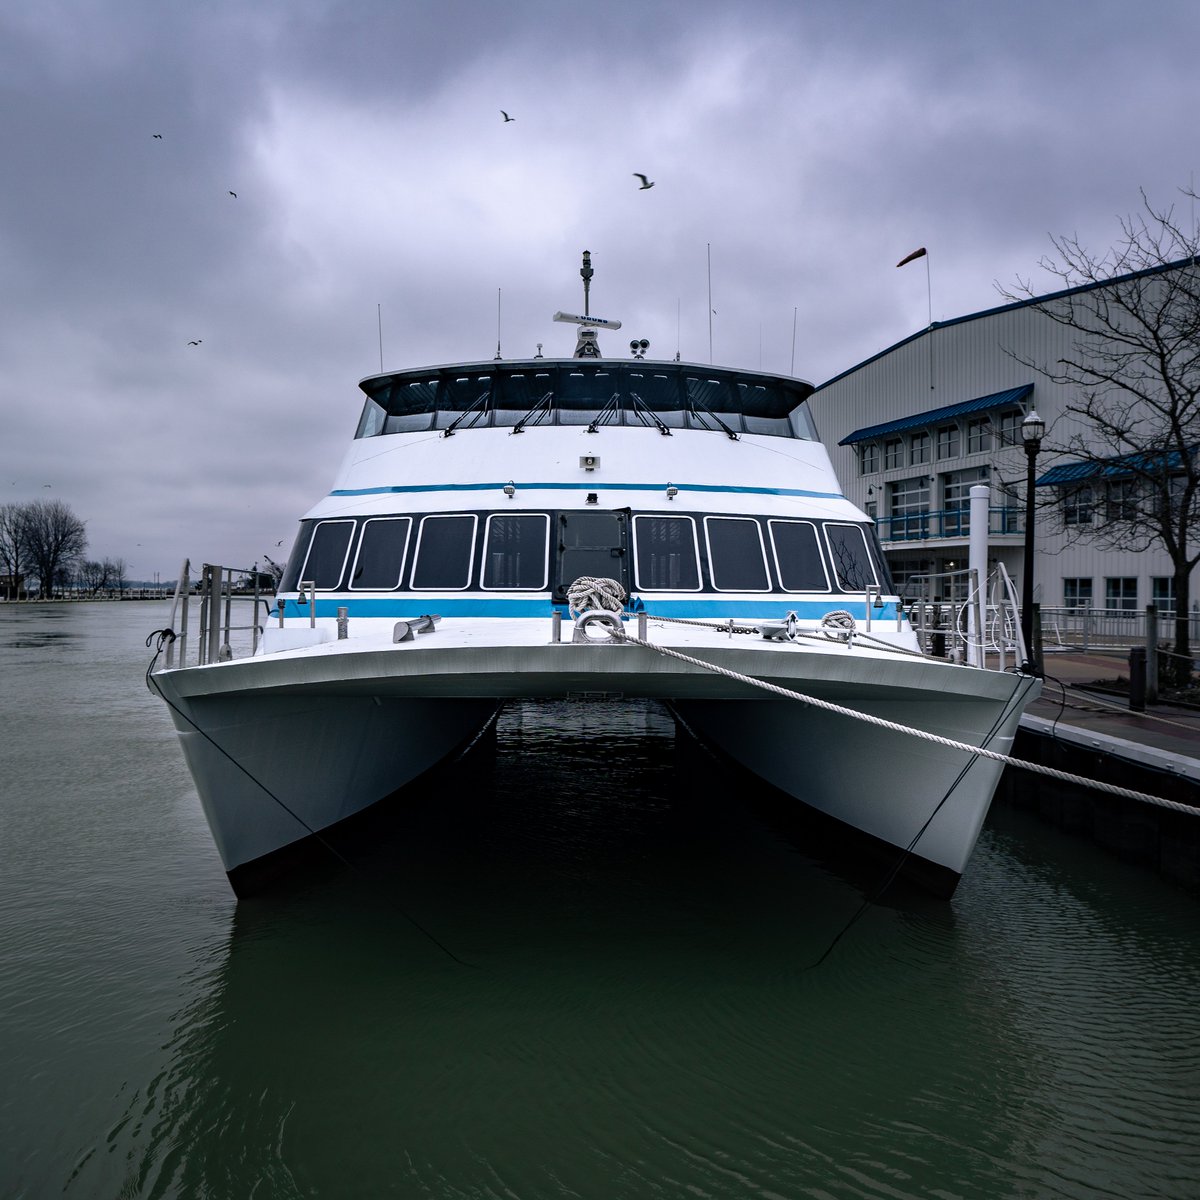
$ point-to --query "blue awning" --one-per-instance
(935, 415)
(1122, 466)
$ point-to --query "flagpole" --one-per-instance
(923, 253)
(929, 297)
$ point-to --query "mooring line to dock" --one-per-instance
(924, 735)
(166, 636)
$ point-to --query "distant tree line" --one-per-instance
(45, 541)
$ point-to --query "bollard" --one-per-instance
(1137, 679)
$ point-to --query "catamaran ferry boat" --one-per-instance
(579, 527)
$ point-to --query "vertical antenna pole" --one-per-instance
(497, 324)
(379, 318)
(586, 272)
(792, 370)
(710, 307)
(678, 305)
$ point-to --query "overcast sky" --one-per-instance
(810, 143)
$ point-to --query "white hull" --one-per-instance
(284, 745)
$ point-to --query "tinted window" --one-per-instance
(514, 554)
(380, 560)
(327, 554)
(852, 566)
(444, 548)
(798, 556)
(735, 555)
(666, 554)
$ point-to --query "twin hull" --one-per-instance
(287, 745)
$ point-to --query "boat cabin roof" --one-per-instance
(580, 391)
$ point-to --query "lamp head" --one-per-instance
(1033, 428)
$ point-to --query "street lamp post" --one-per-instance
(1033, 428)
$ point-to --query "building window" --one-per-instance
(909, 507)
(1077, 593)
(1162, 593)
(1120, 595)
(948, 442)
(1120, 499)
(869, 462)
(1008, 428)
(918, 449)
(893, 454)
(979, 435)
(1077, 506)
(956, 499)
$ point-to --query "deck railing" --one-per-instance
(215, 592)
(946, 523)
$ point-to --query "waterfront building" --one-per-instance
(913, 428)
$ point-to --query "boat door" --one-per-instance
(591, 543)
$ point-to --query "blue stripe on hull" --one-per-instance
(412, 604)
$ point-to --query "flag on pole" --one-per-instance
(908, 258)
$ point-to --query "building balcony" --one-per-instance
(948, 524)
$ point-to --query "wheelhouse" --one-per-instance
(524, 394)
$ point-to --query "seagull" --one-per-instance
(646, 183)
(233, 194)
(196, 342)
(506, 116)
(159, 136)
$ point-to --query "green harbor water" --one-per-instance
(582, 964)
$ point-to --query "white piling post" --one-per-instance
(977, 561)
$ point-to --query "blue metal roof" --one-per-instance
(935, 415)
(1122, 466)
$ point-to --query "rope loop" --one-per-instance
(838, 624)
(591, 593)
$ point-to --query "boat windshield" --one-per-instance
(574, 392)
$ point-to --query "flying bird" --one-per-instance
(233, 194)
(646, 183)
(196, 342)
(506, 116)
(159, 136)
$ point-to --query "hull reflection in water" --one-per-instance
(556, 978)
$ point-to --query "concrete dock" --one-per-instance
(1082, 729)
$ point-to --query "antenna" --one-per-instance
(379, 319)
(587, 273)
(497, 324)
(678, 303)
(795, 310)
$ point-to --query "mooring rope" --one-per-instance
(924, 735)
(603, 593)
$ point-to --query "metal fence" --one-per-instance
(1087, 629)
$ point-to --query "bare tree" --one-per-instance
(116, 569)
(54, 539)
(1132, 387)
(92, 576)
(12, 545)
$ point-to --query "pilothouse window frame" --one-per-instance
(470, 559)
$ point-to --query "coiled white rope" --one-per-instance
(589, 593)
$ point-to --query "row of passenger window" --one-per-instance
(514, 552)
